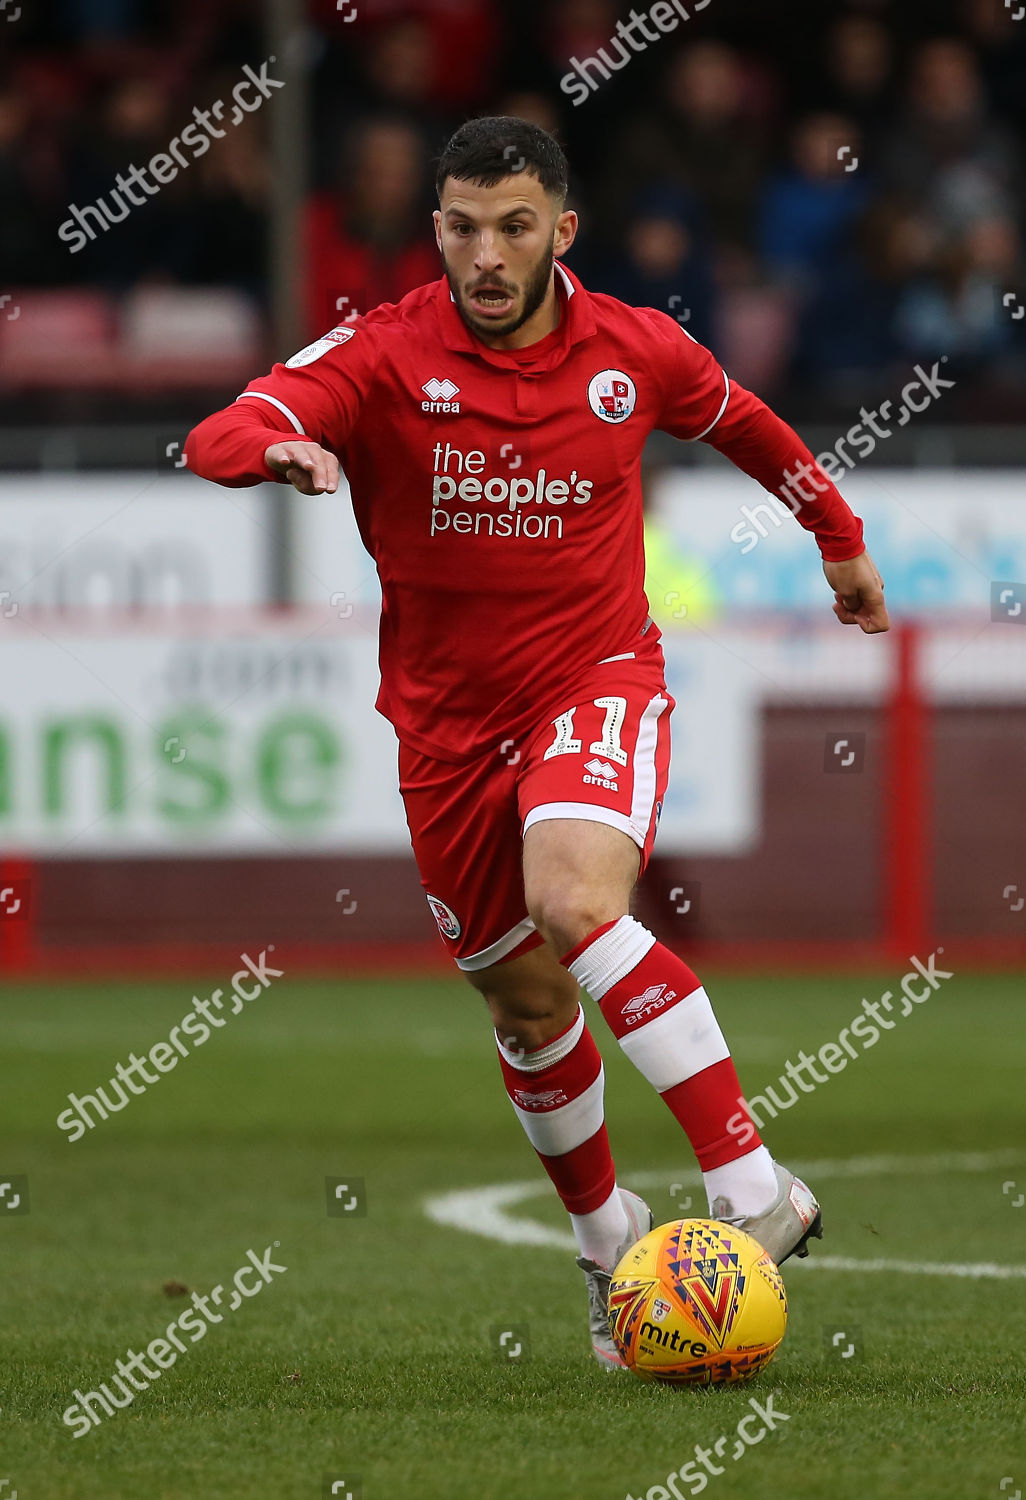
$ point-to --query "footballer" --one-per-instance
(491, 428)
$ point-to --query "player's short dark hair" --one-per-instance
(487, 150)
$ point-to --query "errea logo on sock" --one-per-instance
(654, 998)
(546, 1099)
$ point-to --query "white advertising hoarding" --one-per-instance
(259, 735)
(131, 725)
(261, 738)
(940, 537)
(131, 540)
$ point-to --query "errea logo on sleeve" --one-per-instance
(440, 394)
(320, 346)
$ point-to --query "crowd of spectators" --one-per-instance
(824, 194)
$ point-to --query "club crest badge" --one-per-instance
(612, 395)
(448, 922)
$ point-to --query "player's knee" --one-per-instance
(529, 1014)
(566, 914)
(527, 1033)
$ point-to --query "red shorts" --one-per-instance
(602, 753)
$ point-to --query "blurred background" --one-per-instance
(831, 199)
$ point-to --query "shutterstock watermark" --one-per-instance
(134, 1375)
(665, 16)
(249, 93)
(837, 461)
(765, 1417)
(197, 1026)
(917, 986)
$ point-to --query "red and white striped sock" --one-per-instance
(661, 1016)
(557, 1091)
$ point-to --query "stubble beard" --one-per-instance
(535, 291)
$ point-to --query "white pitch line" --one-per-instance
(986, 1269)
(483, 1211)
(869, 1166)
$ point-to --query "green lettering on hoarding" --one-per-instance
(61, 738)
(196, 783)
(200, 770)
(297, 761)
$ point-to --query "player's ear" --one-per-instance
(565, 232)
(437, 217)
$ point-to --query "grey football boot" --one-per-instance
(639, 1217)
(786, 1226)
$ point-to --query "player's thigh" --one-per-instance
(577, 875)
(590, 795)
(465, 829)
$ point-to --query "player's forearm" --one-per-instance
(763, 446)
(229, 446)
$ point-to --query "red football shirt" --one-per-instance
(499, 493)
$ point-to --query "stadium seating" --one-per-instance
(155, 338)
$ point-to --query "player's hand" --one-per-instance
(858, 593)
(308, 467)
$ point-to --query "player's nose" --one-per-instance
(489, 252)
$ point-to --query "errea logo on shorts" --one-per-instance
(439, 394)
(600, 773)
(612, 395)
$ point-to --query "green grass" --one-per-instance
(371, 1354)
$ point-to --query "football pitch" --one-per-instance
(370, 1356)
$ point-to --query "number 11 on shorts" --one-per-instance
(608, 746)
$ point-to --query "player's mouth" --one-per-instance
(491, 301)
